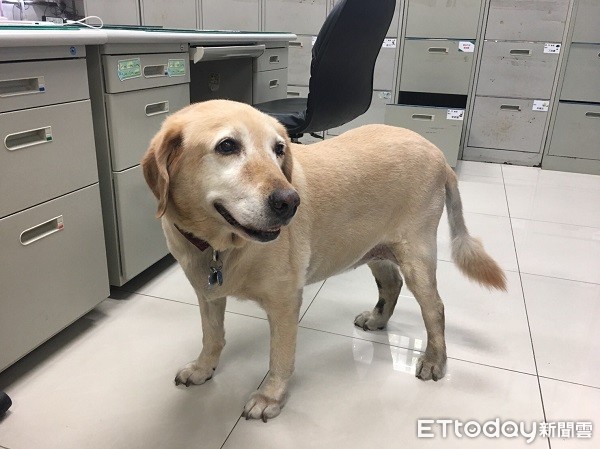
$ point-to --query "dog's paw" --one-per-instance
(368, 321)
(194, 374)
(260, 406)
(428, 369)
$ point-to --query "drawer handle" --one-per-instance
(428, 117)
(296, 44)
(520, 52)
(29, 138)
(162, 107)
(292, 93)
(592, 114)
(274, 59)
(31, 235)
(22, 86)
(510, 107)
(273, 84)
(152, 71)
(438, 50)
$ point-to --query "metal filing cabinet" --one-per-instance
(527, 20)
(132, 84)
(443, 19)
(300, 59)
(243, 15)
(517, 74)
(295, 16)
(375, 113)
(161, 13)
(114, 12)
(53, 262)
(574, 142)
(441, 126)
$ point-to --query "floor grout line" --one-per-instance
(311, 302)
(554, 222)
(537, 373)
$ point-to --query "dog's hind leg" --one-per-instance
(389, 283)
(418, 263)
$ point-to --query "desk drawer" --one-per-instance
(507, 124)
(435, 65)
(516, 70)
(272, 59)
(271, 85)
(53, 269)
(527, 20)
(141, 237)
(46, 152)
(443, 19)
(134, 117)
(32, 84)
(132, 72)
(582, 77)
(576, 131)
(435, 124)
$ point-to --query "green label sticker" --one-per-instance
(176, 67)
(129, 68)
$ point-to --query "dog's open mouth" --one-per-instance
(262, 236)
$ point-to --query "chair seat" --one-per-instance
(290, 112)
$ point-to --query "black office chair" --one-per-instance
(341, 71)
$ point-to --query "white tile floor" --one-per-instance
(526, 355)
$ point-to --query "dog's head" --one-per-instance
(222, 170)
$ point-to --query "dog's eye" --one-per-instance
(227, 146)
(279, 149)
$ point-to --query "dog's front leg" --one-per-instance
(271, 396)
(200, 370)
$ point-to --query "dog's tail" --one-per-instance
(467, 251)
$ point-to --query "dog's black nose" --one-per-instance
(284, 202)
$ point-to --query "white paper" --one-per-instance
(551, 48)
(389, 42)
(540, 105)
(466, 46)
(455, 114)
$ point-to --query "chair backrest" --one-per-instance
(343, 62)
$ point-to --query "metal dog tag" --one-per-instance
(216, 275)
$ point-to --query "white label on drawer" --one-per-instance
(466, 46)
(176, 67)
(455, 114)
(314, 39)
(129, 68)
(540, 105)
(389, 42)
(551, 48)
(385, 96)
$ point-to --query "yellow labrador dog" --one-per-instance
(249, 214)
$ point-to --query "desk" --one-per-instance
(72, 196)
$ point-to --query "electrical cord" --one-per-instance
(82, 22)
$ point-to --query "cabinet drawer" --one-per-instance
(271, 85)
(435, 65)
(435, 124)
(385, 66)
(586, 22)
(272, 59)
(443, 19)
(582, 77)
(134, 117)
(516, 69)
(576, 131)
(53, 269)
(375, 113)
(46, 152)
(296, 16)
(300, 60)
(141, 239)
(527, 20)
(507, 124)
(32, 84)
(132, 72)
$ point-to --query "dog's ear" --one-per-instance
(287, 165)
(160, 160)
